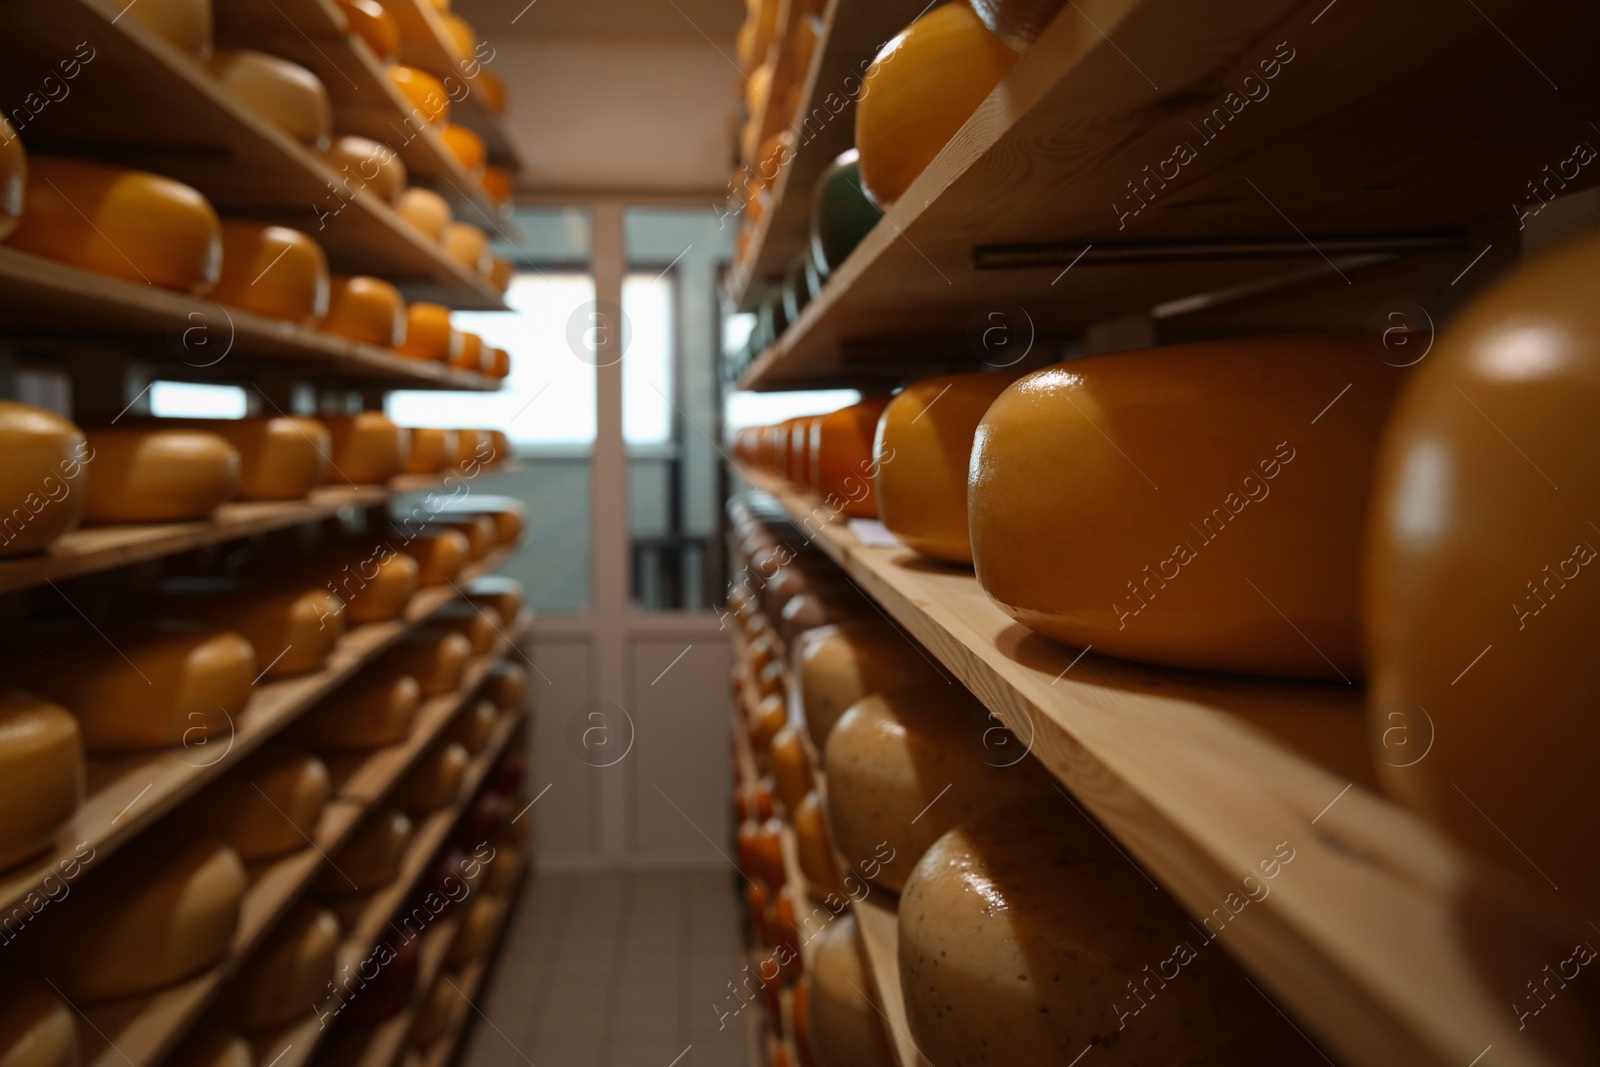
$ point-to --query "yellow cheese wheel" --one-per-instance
(371, 858)
(436, 658)
(1480, 605)
(822, 606)
(37, 1028)
(213, 1046)
(500, 592)
(431, 449)
(506, 685)
(479, 624)
(161, 685)
(152, 916)
(375, 584)
(184, 24)
(499, 276)
(922, 452)
(443, 1009)
(365, 309)
(471, 728)
(435, 781)
(157, 475)
(425, 93)
(905, 767)
(498, 186)
(1179, 505)
(289, 972)
(281, 457)
(838, 665)
(272, 270)
(926, 82)
(506, 516)
(367, 448)
(459, 35)
(846, 1019)
(13, 178)
(502, 873)
(286, 94)
(478, 529)
(1017, 23)
(293, 628)
(367, 712)
(1025, 937)
(363, 163)
(472, 446)
(468, 245)
(266, 806)
(372, 22)
(429, 334)
(41, 774)
(500, 445)
(42, 479)
(125, 223)
(476, 934)
(469, 354)
(440, 555)
(844, 463)
(491, 91)
(791, 767)
(815, 847)
(465, 146)
(426, 211)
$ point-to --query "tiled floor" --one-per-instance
(617, 969)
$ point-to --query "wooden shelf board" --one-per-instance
(880, 940)
(468, 980)
(1437, 124)
(182, 123)
(1201, 777)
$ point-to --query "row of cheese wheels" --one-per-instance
(926, 795)
(144, 227)
(295, 100)
(181, 665)
(167, 908)
(1295, 507)
(175, 470)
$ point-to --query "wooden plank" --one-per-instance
(880, 940)
(1200, 777)
(182, 123)
(1436, 124)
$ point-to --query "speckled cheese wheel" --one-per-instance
(846, 1021)
(838, 665)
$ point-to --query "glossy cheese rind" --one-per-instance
(41, 774)
(425, 93)
(272, 270)
(42, 480)
(267, 806)
(281, 457)
(365, 309)
(288, 974)
(429, 334)
(1017, 23)
(838, 665)
(466, 146)
(157, 475)
(367, 448)
(846, 470)
(1196, 505)
(847, 1027)
(286, 94)
(372, 22)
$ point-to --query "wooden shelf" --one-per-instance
(128, 794)
(381, 1045)
(141, 102)
(468, 981)
(1435, 125)
(1200, 777)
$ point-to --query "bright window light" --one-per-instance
(647, 360)
(764, 409)
(190, 400)
(549, 399)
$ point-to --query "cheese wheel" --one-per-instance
(479, 531)
(435, 781)
(431, 448)
(502, 874)
(479, 624)
(472, 446)
(367, 448)
(37, 1027)
(838, 665)
(365, 309)
(288, 973)
(1025, 937)
(459, 35)
(465, 146)
(272, 270)
(156, 475)
(41, 775)
(426, 211)
(845, 467)
(212, 1046)
(926, 82)
(436, 658)
(440, 555)
(1017, 23)
(184, 24)
(497, 591)
(363, 163)
(42, 479)
(443, 1009)
(13, 178)
(477, 931)
(154, 915)
(467, 245)
(499, 279)
(791, 767)
(375, 584)
(292, 629)
(429, 334)
(425, 93)
(286, 94)
(508, 516)
(367, 712)
(471, 728)
(506, 685)
(815, 847)
(281, 457)
(922, 450)
(1480, 602)
(372, 22)
(499, 448)
(491, 91)
(267, 806)
(1072, 537)
(846, 1021)
(822, 606)
(469, 354)
(371, 858)
(905, 767)
(499, 187)
(125, 223)
(159, 686)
